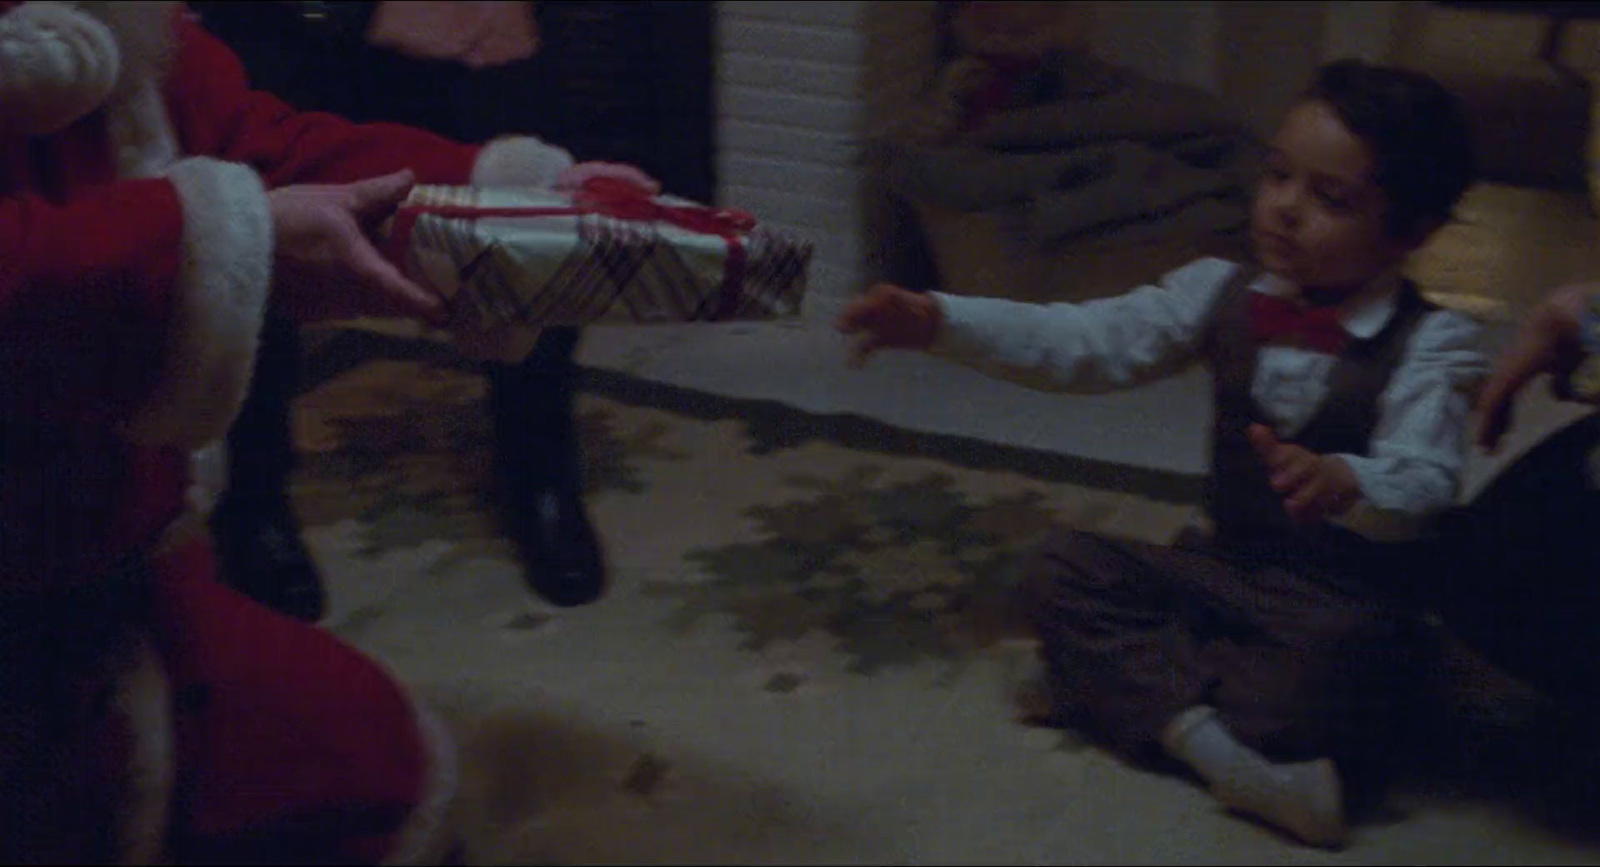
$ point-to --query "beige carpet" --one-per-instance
(806, 656)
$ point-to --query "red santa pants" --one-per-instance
(281, 743)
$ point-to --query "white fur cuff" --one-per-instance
(521, 161)
(144, 698)
(57, 64)
(221, 300)
(428, 835)
(208, 478)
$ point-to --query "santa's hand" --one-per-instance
(890, 317)
(573, 179)
(325, 267)
(1314, 487)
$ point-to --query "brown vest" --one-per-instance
(1248, 514)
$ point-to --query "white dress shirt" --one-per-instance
(1412, 468)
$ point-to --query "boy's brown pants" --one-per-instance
(1132, 634)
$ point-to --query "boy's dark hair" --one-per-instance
(1418, 131)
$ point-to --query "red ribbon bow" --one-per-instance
(1284, 321)
(622, 200)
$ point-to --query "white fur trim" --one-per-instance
(146, 33)
(208, 478)
(222, 295)
(428, 835)
(519, 161)
(144, 699)
(57, 64)
(141, 134)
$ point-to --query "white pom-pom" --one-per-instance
(57, 64)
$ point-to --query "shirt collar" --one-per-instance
(1363, 314)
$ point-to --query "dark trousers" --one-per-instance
(261, 441)
(323, 64)
(532, 406)
(532, 409)
(1132, 634)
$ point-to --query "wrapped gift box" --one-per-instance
(607, 254)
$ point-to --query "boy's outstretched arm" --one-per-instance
(1093, 347)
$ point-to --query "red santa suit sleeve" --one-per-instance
(215, 112)
(86, 298)
(129, 313)
(127, 300)
(117, 307)
(133, 282)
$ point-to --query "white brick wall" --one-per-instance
(800, 85)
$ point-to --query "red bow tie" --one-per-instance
(1277, 320)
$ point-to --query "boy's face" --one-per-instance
(1319, 218)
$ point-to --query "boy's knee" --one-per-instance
(1066, 563)
(1366, 653)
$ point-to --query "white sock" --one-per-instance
(1304, 799)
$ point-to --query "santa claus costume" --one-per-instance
(146, 711)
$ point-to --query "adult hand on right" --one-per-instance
(1550, 341)
(325, 265)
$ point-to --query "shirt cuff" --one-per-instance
(1371, 521)
(1379, 525)
(957, 336)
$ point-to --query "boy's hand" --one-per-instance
(1315, 487)
(889, 317)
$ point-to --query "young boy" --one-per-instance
(1264, 653)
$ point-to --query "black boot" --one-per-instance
(258, 537)
(539, 472)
